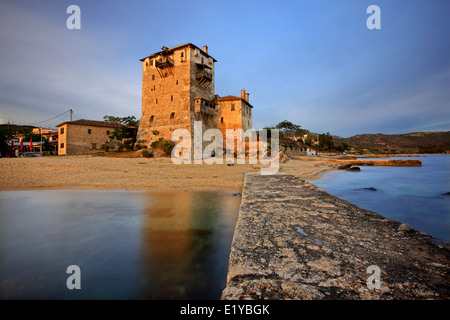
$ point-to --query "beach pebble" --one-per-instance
(404, 227)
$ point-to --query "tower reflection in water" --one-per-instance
(186, 241)
(128, 244)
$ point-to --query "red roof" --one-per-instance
(232, 98)
(312, 148)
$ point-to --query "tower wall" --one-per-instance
(178, 89)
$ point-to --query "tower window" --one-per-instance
(107, 132)
(153, 77)
(89, 131)
(232, 107)
(156, 100)
(171, 98)
(61, 131)
(177, 82)
(172, 115)
(221, 120)
(152, 118)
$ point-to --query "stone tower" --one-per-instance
(178, 89)
(174, 80)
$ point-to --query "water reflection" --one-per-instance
(129, 245)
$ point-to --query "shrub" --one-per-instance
(128, 144)
(148, 154)
(165, 145)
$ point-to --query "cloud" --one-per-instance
(47, 69)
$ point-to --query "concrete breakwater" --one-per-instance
(295, 241)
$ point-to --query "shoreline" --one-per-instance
(159, 174)
(109, 173)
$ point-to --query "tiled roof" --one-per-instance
(93, 123)
(178, 47)
(231, 98)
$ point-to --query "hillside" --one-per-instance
(408, 142)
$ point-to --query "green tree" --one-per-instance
(288, 128)
(126, 133)
(128, 121)
(30, 135)
(326, 142)
(6, 134)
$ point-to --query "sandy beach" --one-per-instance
(94, 172)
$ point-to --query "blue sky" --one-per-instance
(314, 63)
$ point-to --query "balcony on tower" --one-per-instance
(204, 73)
(205, 107)
(163, 62)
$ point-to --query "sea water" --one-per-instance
(127, 244)
(418, 196)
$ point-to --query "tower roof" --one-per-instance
(167, 50)
(232, 98)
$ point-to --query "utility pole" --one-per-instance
(71, 115)
(40, 129)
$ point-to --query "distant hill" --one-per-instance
(16, 127)
(410, 142)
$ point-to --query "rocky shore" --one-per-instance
(355, 162)
(295, 241)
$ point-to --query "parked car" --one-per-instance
(32, 154)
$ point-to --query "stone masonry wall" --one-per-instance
(78, 140)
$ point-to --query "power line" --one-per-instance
(57, 121)
(32, 124)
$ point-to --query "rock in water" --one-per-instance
(354, 169)
(344, 166)
(368, 189)
(404, 227)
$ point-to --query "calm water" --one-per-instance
(128, 244)
(412, 195)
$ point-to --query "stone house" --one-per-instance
(310, 151)
(178, 89)
(86, 136)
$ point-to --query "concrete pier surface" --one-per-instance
(295, 241)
